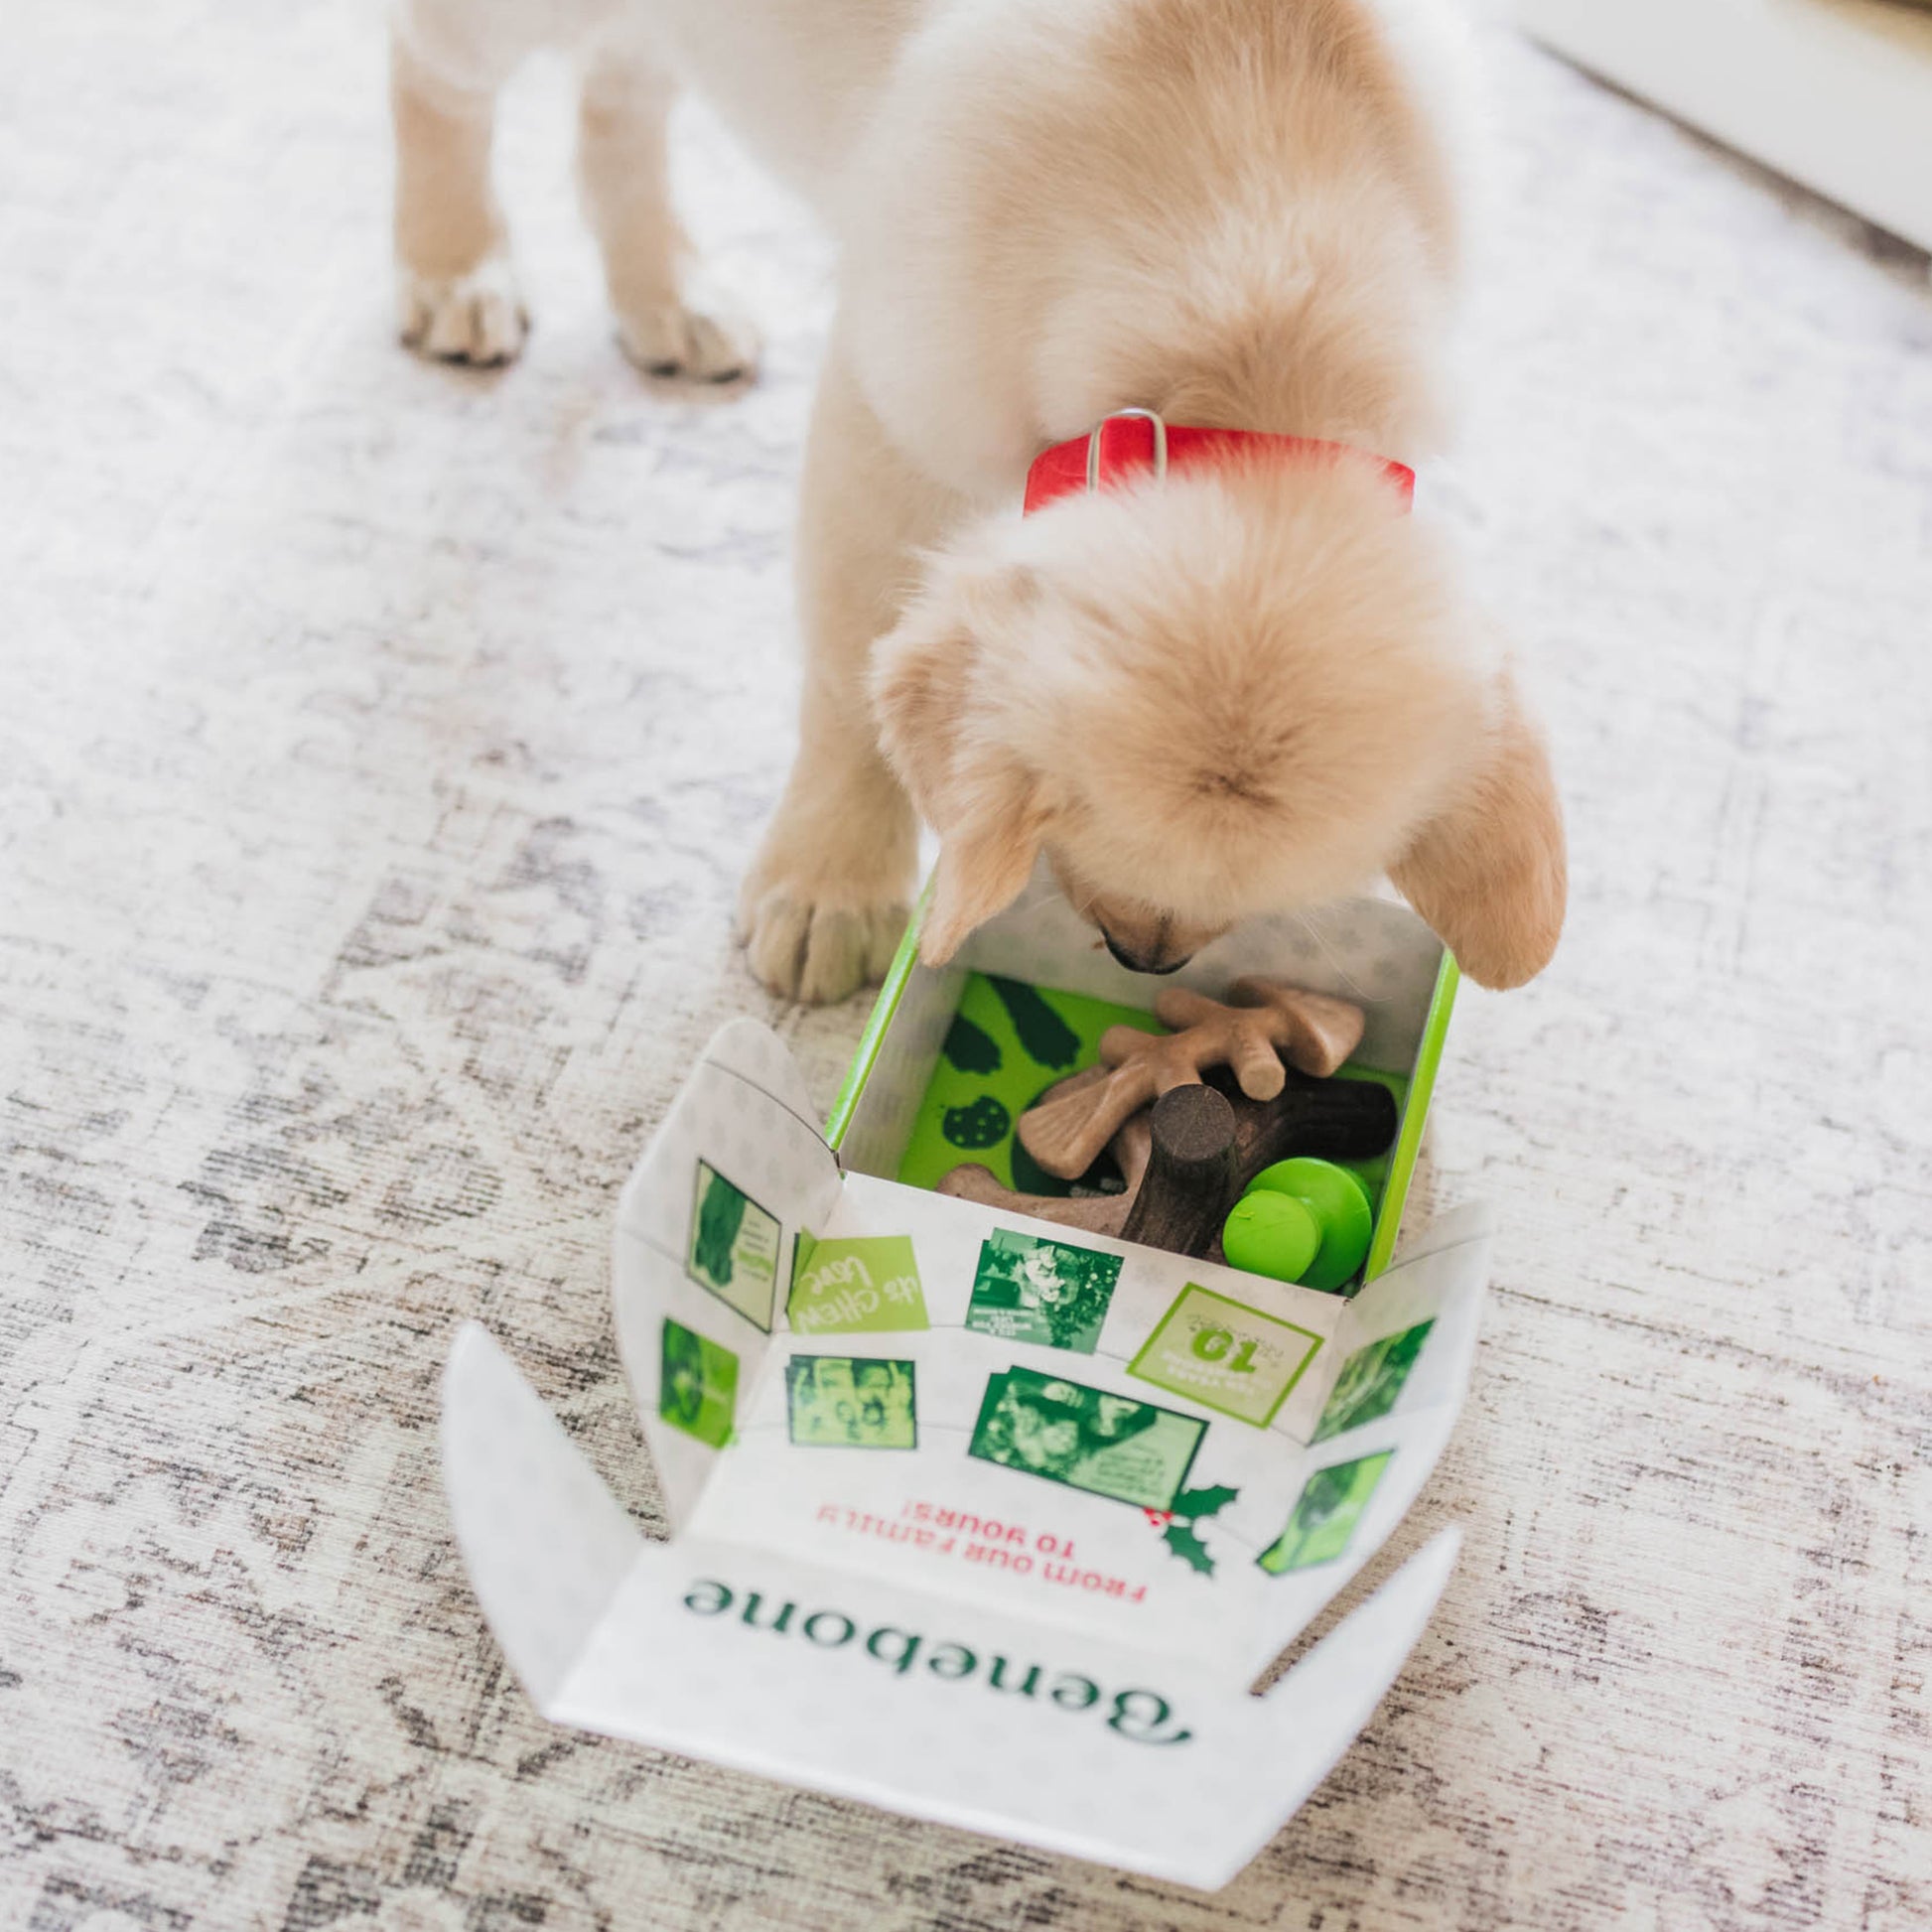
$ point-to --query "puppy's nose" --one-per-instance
(1136, 964)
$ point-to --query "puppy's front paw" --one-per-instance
(818, 949)
(670, 339)
(476, 317)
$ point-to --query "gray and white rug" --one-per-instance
(381, 746)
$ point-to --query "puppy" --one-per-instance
(1238, 689)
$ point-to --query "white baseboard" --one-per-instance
(1835, 93)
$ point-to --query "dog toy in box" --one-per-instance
(1226, 1131)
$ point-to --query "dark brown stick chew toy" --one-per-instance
(1209, 1142)
(1313, 1032)
(1332, 1120)
(1189, 1175)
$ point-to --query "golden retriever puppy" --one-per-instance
(1244, 687)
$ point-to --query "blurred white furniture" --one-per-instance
(1835, 93)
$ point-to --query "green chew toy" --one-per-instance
(1272, 1235)
(1301, 1220)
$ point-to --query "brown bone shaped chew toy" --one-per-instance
(1313, 1033)
(1093, 1213)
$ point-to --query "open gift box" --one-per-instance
(977, 1517)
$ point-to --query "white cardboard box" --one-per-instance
(1016, 1586)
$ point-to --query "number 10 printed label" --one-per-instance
(1225, 1355)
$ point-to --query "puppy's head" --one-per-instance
(1231, 694)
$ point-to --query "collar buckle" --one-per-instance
(1152, 416)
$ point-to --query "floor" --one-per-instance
(379, 745)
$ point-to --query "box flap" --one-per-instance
(708, 1229)
(897, 1698)
(545, 1543)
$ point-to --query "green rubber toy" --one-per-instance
(1301, 1220)
(1272, 1235)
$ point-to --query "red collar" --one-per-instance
(1131, 442)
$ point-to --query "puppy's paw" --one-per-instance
(476, 317)
(817, 950)
(672, 339)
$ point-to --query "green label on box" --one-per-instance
(851, 1402)
(1371, 1381)
(865, 1285)
(1049, 1293)
(733, 1248)
(1325, 1519)
(1088, 1439)
(697, 1389)
(1225, 1355)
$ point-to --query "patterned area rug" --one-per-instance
(381, 746)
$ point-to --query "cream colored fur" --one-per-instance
(1238, 693)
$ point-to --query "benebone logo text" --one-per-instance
(1142, 1717)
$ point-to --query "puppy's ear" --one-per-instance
(921, 675)
(942, 739)
(984, 865)
(1489, 873)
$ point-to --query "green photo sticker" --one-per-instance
(1045, 1292)
(851, 1402)
(1370, 1381)
(861, 1286)
(733, 1247)
(697, 1390)
(1325, 1519)
(1225, 1355)
(1107, 1445)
